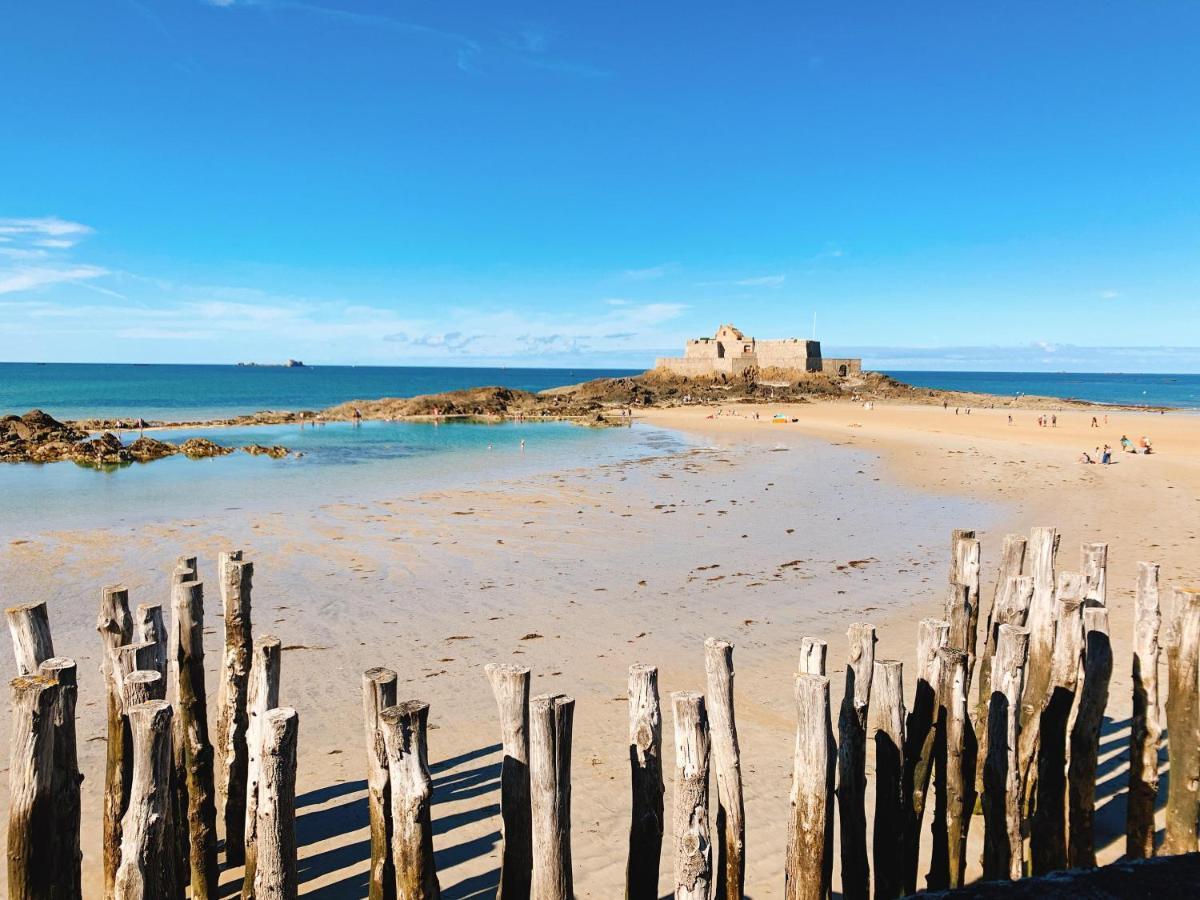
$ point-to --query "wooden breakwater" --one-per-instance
(1004, 728)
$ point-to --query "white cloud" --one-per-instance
(762, 281)
(650, 272)
(35, 254)
(33, 277)
(1110, 295)
(49, 231)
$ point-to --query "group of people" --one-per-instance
(1104, 454)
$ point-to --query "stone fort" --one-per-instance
(729, 352)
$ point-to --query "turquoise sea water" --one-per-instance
(1180, 391)
(186, 392)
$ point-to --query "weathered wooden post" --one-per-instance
(236, 582)
(550, 719)
(148, 627)
(1145, 727)
(32, 819)
(1003, 796)
(404, 729)
(275, 877)
(812, 656)
(379, 692)
(1043, 546)
(693, 847)
(955, 774)
(184, 570)
(510, 687)
(919, 741)
(29, 625)
(808, 872)
(116, 629)
(65, 781)
(1085, 738)
(852, 762)
(645, 762)
(262, 695)
(729, 874)
(1047, 831)
(187, 667)
(1010, 608)
(887, 728)
(962, 607)
(1093, 574)
(146, 869)
(143, 686)
(1183, 717)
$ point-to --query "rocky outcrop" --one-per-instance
(201, 448)
(145, 449)
(274, 451)
(35, 433)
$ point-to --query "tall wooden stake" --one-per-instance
(1093, 573)
(1043, 546)
(1085, 738)
(919, 741)
(852, 762)
(1047, 831)
(808, 872)
(812, 656)
(148, 626)
(1145, 729)
(236, 582)
(275, 877)
(955, 774)
(1003, 796)
(379, 692)
(729, 874)
(887, 728)
(187, 667)
(29, 625)
(404, 729)
(32, 819)
(1012, 561)
(550, 719)
(1183, 717)
(146, 869)
(262, 696)
(116, 629)
(65, 781)
(646, 777)
(693, 847)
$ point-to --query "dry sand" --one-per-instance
(768, 533)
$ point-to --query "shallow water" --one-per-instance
(340, 460)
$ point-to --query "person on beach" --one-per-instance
(1054, 421)
(1144, 445)
(1085, 457)
(1127, 444)
(1010, 420)
(1106, 455)
(1095, 424)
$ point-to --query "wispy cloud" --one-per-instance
(650, 272)
(1109, 295)
(755, 281)
(35, 255)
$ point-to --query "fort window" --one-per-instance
(842, 370)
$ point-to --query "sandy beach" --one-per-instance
(760, 534)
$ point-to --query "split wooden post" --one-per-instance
(146, 869)
(808, 872)
(1093, 574)
(887, 728)
(148, 627)
(184, 570)
(143, 686)
(510, 687)
(116, 629)
(32, 819)
(812, 656)
(646, 778)
(262, 695)
(404, 729)
(962, 610)
(379, 692)
(1047, 827)
(919, 741)
(236, 582)
(693, 846)
(550, 724)
(1085, 738)
(29, 625)
(1145, 728)
(275, 878)
(1010, 608)
(65, 781)
(187, 667)
(852, 762)
(1043, 546)
(1183, 719)
(729, 874)
(1012, 562)
(1003, 796)
(953, 802)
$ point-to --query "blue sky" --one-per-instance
(943, 184)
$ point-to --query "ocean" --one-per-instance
(188, 392)
(1178, 391)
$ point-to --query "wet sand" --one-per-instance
(770, 533)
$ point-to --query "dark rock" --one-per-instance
(199, 448)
